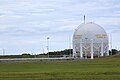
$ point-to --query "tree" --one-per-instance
(61, 53)
(114, 51)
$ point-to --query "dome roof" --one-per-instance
(90, 31)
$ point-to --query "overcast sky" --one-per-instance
(26, 24)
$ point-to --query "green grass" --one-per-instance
(23, 56)
(106, 68)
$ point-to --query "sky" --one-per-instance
(26, 24)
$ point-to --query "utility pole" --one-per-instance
(84, 19)
(70, 46)
(48, 46)
(43, 50)
(111, 42)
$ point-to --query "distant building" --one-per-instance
(90, 40)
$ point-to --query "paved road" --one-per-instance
(33, 59)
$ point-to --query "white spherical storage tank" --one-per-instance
(90, 40)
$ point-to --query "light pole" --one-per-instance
(3, 52)
(48, 45)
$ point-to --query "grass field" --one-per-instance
(107, 68)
